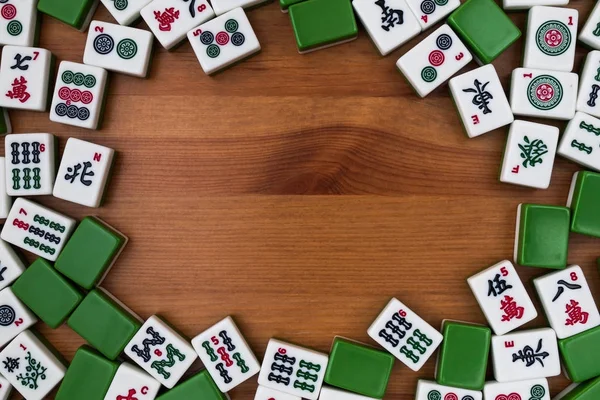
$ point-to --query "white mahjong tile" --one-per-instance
(589, 85)
(502, 297)
(5, 388)
(78, 95)
(132, 382)
(18, 23)
(15, 317)
(125, 12)
(551, 37)
(30, 366)
(264, 393)
(24, 77)
(428, 390)
(390, 23)
(293, 369)
(533, 389)
(480, 100)
(170, 20)
(83, 173)
(161, 351)
(429, 12)
(543, 93)
(330, 393)
(226, 355)
(223, 6)
(224, 41)
(567, 301)
(581, 141)
(525, 355)
(590, 33)
(529, 154)
(37, 229)
(526, 4)
(118, 48)
(5, 199)
(400, 331)
(11, 264)
(434, 60)
(30, 167)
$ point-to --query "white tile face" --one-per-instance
(37, 229)
(535, 389)
(434, 60)
(30, 367)
(525, 355)
(329, 393)
(543, 93)
(83, 173)
(404, 334)
(590, 33)
(589, 85)
(282, 364)
(24, 77)
(223, 41)
(551, 38)
(481, 101)
(118, 48)
(125, 12)
(567, 301)
(5, 199)
(427, 390)
(581, 141)
(18, 23)
(525, 4)
(226, 355)
(429, 12)
(11, 265)
(223, 6)
(390, 23)
(15, 317)
(170, 20)
(5, 388)
(529, 155)
(502, 297)
(29, 163)
(264, 393)
(161, 351)
(130, 381)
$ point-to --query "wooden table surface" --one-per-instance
(298, 193)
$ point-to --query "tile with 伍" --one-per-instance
(579, 140)
(527, 4)
(583, 200)
(11, 264)
(265, 393)
(15, 317)
(132, 381)
(543, 93)
(430, 12)
(589, 390)
(529, 154)
(533, 389)
(590, 33)
(199, 386)
(125, 12)
(480, 101)
(589, 85)
(434, 60)
(75, 13)
(404, 334)
(5, 199)
(223, 6)
(19, 23)
(427, 390)
(580, 355)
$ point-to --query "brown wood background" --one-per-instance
(298, 193)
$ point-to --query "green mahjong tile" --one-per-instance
(104, 324)
(50, 296)
(580, 354)
(358, 368)
(285, 4)
(585, 214)
(485, 28)
(71, 12)
(88, 377)
(319, 23)
(89, 252)
(199, 386)
(589, 390)
(463, 355)
(5, 126)
(543, 236)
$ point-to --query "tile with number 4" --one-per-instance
(18, 23)
(589, 85)
(131, 381)
(30, 163)
(125, 12)
(15, 317)
(427, 390)
(581, 141)
(430, 12)
(534, 389)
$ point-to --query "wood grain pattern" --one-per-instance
(400, 202)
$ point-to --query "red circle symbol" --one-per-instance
(514, 396)
(9, 11)
(553, 38)
(64, 93)
(544, 92)
(75, 95)
(222, 38)
(451, 396)
(436, 58)
(87, 97)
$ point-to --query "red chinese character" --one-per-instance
(511, 309)
(166, 18)
(19, 90)
(575, 314)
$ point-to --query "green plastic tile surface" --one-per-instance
(285, 4)
(199, 386)
(71, 12)
(463, 355)
(104, 324)
(4, 124)
(543, 236)
(589, 390)
(585, 210)
(580, 354)
(359, 368)
(485, 28)
(50, 296)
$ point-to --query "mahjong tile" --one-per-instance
(533, 389)
(226, 355)
(581, 141)
(589, 85)
(529, 154)
(551, 37)
(15, 317)
(223, 6)
(79, 95)
(18, 23)
(11, 264)
(37, 229)
(5, 388)
(390, 23)
(427, 390)
(83, 173)
(590, 33)
(131, 381)
(5, 199)
(24, 77)
(170, 20)
(480, 100)
(265, 393)
(502, 297)
(543, 93)
(118, 48)
(29, 163)
(404, 334)
(293, 369)
(30, 366)
(526, 4)
(434, 60)
(429, 12)
(331, 393)
(224, 41)
(125, 12)
(161, 351)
